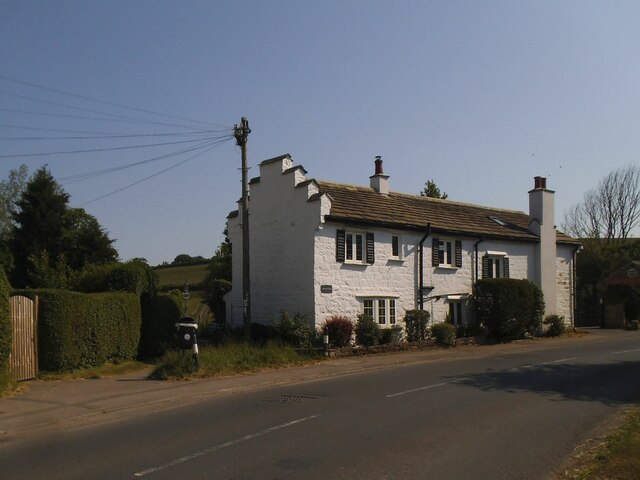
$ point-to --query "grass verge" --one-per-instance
(617, 458)
(106, 370)
(228, 360)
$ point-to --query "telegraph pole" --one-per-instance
(241, 132)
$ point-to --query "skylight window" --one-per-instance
(499, 221)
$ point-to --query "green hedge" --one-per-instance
(133, 277)
(6, 330)
(77, 330)
(159, 315)
(509, 308)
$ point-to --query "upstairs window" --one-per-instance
(355, 247)
(396, 247)
(446, 253)
(495, 266)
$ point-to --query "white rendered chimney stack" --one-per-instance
(379, 181)
(542, 224)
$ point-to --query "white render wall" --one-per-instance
(391, 278)
(282, 225)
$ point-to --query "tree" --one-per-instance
(184, 258)
(10, 191)
(49, 240)
(86, 241)
(39, 224)
(609, 211)
(218, 281)
(431, 190)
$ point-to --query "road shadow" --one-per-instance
(609, 383)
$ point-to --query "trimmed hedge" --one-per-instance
(77, 330)
(159, 315)
(509, 308)
(133, 277)
(6, 330)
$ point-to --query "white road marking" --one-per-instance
(543, 363)
(625, 351)
(192, 456)
(417, 389)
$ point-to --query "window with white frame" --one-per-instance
(446, 253)
(495, 265)
(382, 310)
(354, 247)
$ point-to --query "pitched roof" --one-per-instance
(364, 206)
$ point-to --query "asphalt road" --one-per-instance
(515, 415)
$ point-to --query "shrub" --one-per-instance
(77, 330)
(339, 329)
(470, 329)
(416, 325)
(509, 308)
(6, 330)
(295, 330)
(367, 331)
(444, 334)
(555, 324)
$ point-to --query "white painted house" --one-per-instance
(324, 249)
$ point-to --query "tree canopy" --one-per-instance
(49, 239)
(609, 211)
(431, 190)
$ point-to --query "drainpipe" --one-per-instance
(574, 286)
(475, 246)
(421, 267)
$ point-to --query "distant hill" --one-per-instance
(174, 276)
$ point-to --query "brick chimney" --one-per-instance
(379, 181)
(542, 224)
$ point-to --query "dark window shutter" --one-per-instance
(435, 252)
(371, 253)
(485, 267)
(506, 267)
(458, 253)
(340, 234)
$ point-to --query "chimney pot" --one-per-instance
(537, 182)
(378, 162)
(543, 182)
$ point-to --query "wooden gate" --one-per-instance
(23, 361)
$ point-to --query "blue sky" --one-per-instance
(481, 96)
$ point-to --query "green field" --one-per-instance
(175, 276)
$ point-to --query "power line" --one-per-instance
(220, 142)
(122, 135)
(83, 117)
(98, 173)
(62, 92)
(129, 147)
